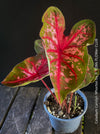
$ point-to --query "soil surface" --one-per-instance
(75, 109)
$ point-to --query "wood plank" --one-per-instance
(90, 127)
(40, 123)
(19, 114)
(7, 96)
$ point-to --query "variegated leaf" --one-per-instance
(30, 70)
(67, 56)
(91, 74)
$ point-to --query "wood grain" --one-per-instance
(19, 114)
(7, 96)
(40, 123)
(22, 112)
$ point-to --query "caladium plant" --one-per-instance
(64, 58)
(68, 57)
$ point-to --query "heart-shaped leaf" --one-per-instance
(67, 56)
(30, 70)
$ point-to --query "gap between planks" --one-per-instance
(20, 112)
(32, 110)
(8, 109)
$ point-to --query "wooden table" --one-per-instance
(21, 112)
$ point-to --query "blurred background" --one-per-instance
(20, 24)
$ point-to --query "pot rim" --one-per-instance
(79, 116)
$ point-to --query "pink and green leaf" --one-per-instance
(67, 56)
(91, 74)
(97, 73)
(30, 70)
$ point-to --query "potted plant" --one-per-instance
(66, 60)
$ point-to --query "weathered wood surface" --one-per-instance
(39, 123)
(19, 114)
(21, 111)
(7, 96)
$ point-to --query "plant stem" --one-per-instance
(49, 90)
(75, 103)
(71, 95)
(65, 105)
